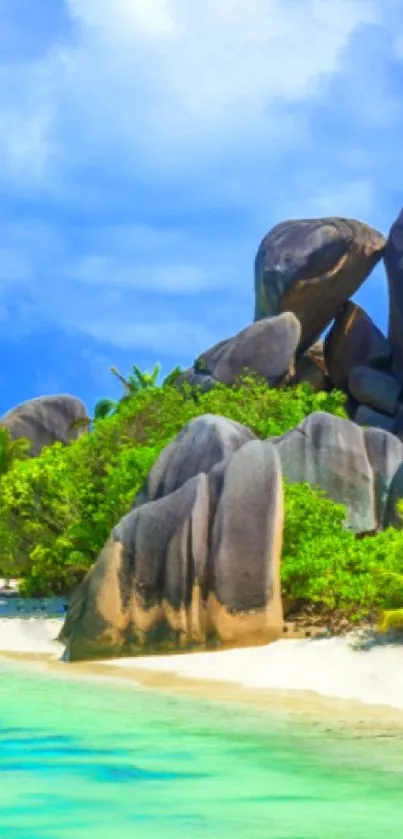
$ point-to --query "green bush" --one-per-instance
(57, 510)
(325, 564)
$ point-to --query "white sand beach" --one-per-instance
(330, 667)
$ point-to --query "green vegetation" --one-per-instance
(325, 564)
(57, 510)
(11, 451)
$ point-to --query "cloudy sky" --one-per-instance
(146, 146)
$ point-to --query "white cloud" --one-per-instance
(166, 337)
(350, 200)
(170, 279)
(207, 105)
(173, 83)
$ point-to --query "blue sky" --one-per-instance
(146, 146)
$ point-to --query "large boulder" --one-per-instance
(46, 420)
(393, 259)
(201, 444)
(368, 417)
(199, 566)
(331, 453)
(375, 388)
(352, 341)
(311, 267)
(385, 454)
(267, 348)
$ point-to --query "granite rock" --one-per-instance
(330, 452)
(193, 568)
(311, 267)
(393, 259)
(374, 419)
(46, 420)
(267, 348)
(352, 341)
(375, 388)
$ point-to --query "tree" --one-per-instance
(137, 380)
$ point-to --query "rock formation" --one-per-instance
(199, 566)
(311, 267)
(305, 272)
(267, 347)
(46, 420)
(352, 341)
(393, 259)
(198, 561)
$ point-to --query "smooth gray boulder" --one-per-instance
(385, 454)
(202, 443)
(190, 569)
(46, 420)
(354, 340)
(267, 348)
(375, 388)
(393, 259)
(330, 453)
(365, 416)
(311, 267)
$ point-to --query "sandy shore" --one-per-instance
(329, 681)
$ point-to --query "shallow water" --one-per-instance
(82, 759)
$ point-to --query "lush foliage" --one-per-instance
(11, 450)
(324, 563)
(57, 510)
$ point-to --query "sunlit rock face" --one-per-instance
(311, 267)
(197, 567)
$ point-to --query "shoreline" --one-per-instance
(348, 717)
(295, 679)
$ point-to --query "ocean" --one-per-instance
(84, 758)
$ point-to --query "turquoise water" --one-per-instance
(86, 759)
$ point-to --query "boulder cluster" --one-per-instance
(306, 271)
(197, 560)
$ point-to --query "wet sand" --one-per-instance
(351, 718)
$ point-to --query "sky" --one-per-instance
(147, 146)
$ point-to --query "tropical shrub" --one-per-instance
(325, 564)
(57, 510)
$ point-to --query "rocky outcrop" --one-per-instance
(46, 420)
(393, 260)
(267, 348)
(198, 561)
(354, 466)
(305, 272)
(202, 443)
(198, 566)
(311, 267)
(368, 417)
(375, 388)
(352, 341)
(385, 455)
(330, 452)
